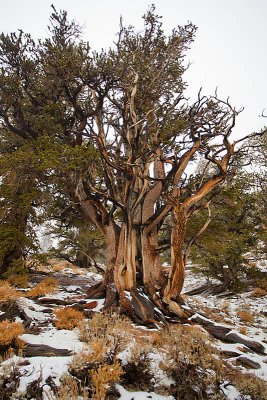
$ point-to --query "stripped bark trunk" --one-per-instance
(125, 266)
(172, 291)
(107, 287)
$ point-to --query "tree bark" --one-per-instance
(172, 291)
(107, 287)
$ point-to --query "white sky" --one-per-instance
(229, 50)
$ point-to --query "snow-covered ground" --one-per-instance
(222, 311)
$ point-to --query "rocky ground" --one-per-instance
(236, 324)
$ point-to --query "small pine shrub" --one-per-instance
(137, 372)
(68, 318)
(9, 332)
(46, 286)
(7, 293)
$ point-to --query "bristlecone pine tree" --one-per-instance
(113, 131)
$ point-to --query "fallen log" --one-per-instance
(226, 334)
(248, 363)
(42, 350)
(58, 302)
(251, 344)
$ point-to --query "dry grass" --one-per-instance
(58, 268)
(245, 316)
(68, 318)
(9, 332)
(7, 293)
(46, 286)
(258, 292)
(243, 330)
(20, 281)
(96, 369)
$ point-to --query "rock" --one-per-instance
(248, 363)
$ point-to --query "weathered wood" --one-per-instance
(225, 334)
(229, 353)
(41, 350)
(251, 344)
(11, 312)
(58, 302)
(199, 289)
(248, 363)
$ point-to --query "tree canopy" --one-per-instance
(112, 134)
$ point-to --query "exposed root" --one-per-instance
(209, 288)
(176, 308)
(98, 291)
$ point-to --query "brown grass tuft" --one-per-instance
(68, 318)
(9, 332)
(243, 330)
(7, 293)
(245, 316)
(262, 284)
(46, 286)
(258, 292)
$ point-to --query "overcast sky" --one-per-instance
(229, 50)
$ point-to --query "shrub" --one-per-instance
(103, 378)
(7, 293)
(9, 332)
(258, 292)
(10, 375)
(46, 286)
(68, 318)
(112, 331)
(70, 389)
(188, 360)
(137, 372)
(250, 385)
(94, 369)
